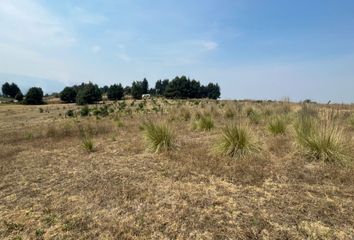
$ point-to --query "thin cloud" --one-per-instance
(27, 23)
(86, 17)
(209, 45)
(96, 49)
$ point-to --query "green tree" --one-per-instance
(115, 92)
(88, 94)
(160, 87)
(137, 90)
(213, 91)
(34, 96)
(145, 86)
(6, 89)
(68, 95)
(179, 87)
(19, 96)
(10, 90)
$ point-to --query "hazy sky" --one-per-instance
(260, 49)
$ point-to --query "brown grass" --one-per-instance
(50, 188)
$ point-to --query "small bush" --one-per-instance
(84, 111)
(236, 141)
(204, 123)
(158, 137)
(321, 140)
(277, 126)
(86, 139)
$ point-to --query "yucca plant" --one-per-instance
(277, 125)
(204, 123)
(321, 140)
(236, 141)
(87, 144)
(86, 139)
(159, 137)
(255, 117)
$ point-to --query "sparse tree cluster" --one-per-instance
(11, 90)
(183, 87)
(89, 93)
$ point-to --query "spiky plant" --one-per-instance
(204, 123)
(159, 137)
(86, 139)
(236, 141)
(277, 125)
(321, 140)
(255, 117)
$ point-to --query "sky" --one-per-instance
(254, 49)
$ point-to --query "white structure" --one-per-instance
(145, 96)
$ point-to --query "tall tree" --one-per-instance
(34, 96)
(6, 89)
(68, 95)
(137, 90)
(88, 94)
(10, 90)
(145, 86)
(213, 91)
(115, 92)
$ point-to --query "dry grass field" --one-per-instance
(67, 176)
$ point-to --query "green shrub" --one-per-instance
(277, 125)
(321, 140)
(236, 141)
(204, 123)
(158, 137)
(84, 111)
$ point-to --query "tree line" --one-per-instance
(88, 93)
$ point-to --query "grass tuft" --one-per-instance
(204, 123)
(321, 140)
(277, 126)
(158, 137)
(86, 140)
(236, 141)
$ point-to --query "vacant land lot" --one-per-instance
(65, 175)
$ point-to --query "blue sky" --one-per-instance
(253, 49)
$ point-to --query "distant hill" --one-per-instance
(25, 82)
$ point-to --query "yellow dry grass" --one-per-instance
(51, 188)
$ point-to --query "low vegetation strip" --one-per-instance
(176, 169)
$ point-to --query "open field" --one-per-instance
(51, 187)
